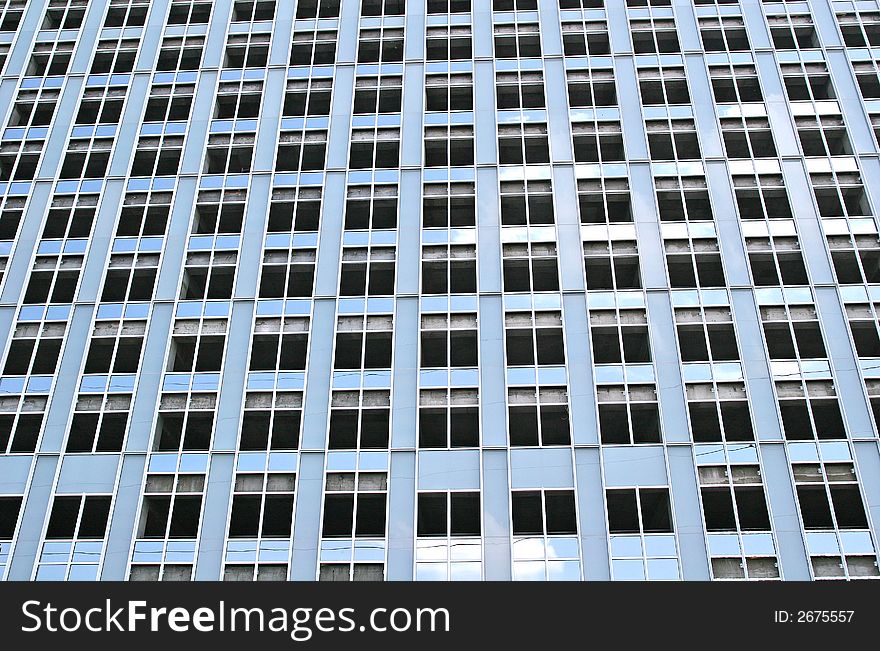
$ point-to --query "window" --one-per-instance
(101, 105)
(180, 53)
(856, 258)
(449, 418)
(34, 350)
(683, 199)
(157, 156)
(748, 138)
(378, 94)
(530, 267)
(171, 509)
(189, 12)
(620, 336)
(380, 44)
(262, 505)
(169, 103)
(776, 260)
(719, 412)
(823, 136)
(54, 277)
(253, 10)
(735, 83)
(313, 48)
(50, 58)
(238, 100)
(597, 142)
(706, 335)
(448, 6)
(538, 416)
(21, 421)
(723, 34)
(247, 50)
(810, 81)
(64, 14)
(34, 108)
(99, 423)
(628, 414)
(279, 346)
(303, 150)
(864, 331)
(19, 159)
(382, 7)
(208, 275)
(810, 410)
(368, 268)
(360, 420)
(546, 512)
(519, 90)
(671, 139)
(544, 526)
(448, 514)
(591, 88)
(374, 148)
(868, 79)
(841, 194)
(115, 56)
(290, 271)
(448, 43)
(229, 153)
(115, 347)
(127, 13)
(517, 40)
(793, 31)
(448, 205)
(792, 332)
(80, 521)
(307, 97)
(360, 509)
(604, 201)
(86, 158)
(733, 500)
(363, 345)
(761, 197)
(270, 421)
(11, 214)
(525, 143)
(654, 36)
(185, 422)
(195, 348)
(694, 262)
(642, 510)
(859, 28)
(665, 85)
(528, 203)
(11, 12)
(829, 498)
(585, 38)
(612, 265)
(317, 9)
(354, 506)
(514, 5)
(219, 212)
(449, 92)
(451, 146)
(448, 340)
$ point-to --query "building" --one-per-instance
(440, 289)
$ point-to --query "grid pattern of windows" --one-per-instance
(304, 285)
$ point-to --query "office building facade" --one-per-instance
(439, 290)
